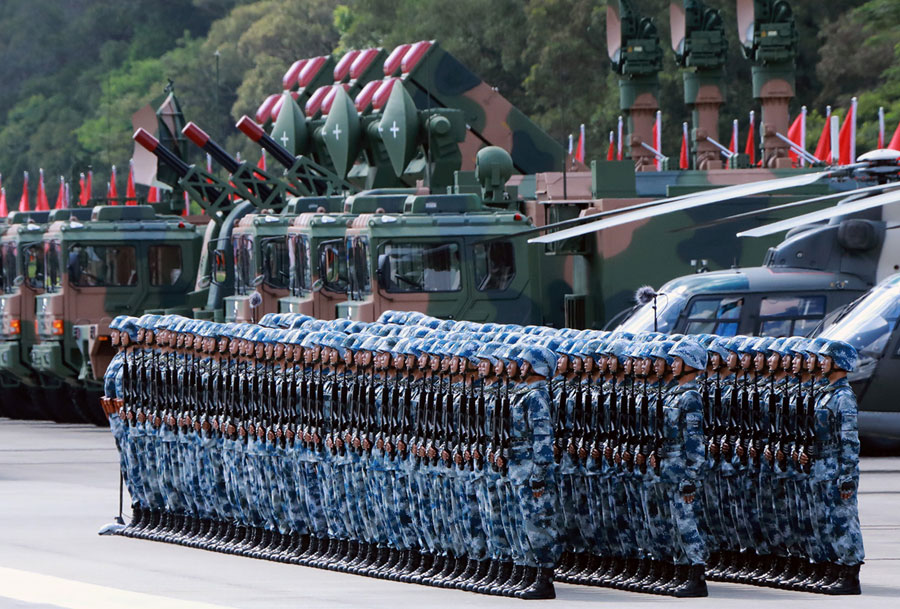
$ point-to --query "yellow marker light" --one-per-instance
(15, 326)
(57, 328)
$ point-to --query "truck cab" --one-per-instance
(447, 255)
(124, 260)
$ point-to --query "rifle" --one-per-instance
(576, 436)
(658, 433)
(505, 435)
(559, 431)
(481, 438)
(745, 428)
(587, 430)
(809, 428)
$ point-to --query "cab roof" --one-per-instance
(762, 279)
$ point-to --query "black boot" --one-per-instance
(694, 584)
(847, 582)
(541, 586)
(495, 586)
(489, 575)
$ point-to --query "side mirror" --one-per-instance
(257, 281)
(317, 285)
(19, 280)
(204, 282)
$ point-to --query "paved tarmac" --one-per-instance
(59, 484)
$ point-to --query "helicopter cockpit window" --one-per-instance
(358, 267)
(714, 316)
(790, 315)
(299, 257)
(333, 265)
(53, 260)
(243, 265)
(495, 265)
(869, 324)
(8, 270)
(165, 264)
(33, 257)
(275, 262)
(421, 267)
(102, 265)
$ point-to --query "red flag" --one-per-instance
(153, 195)
(24, 204)
(750, 148)
(895, 140)
(89, 189)
(823, 148)
(579, 150)
(112, 193)
(683, 160)
(4, 210)
(657, 139)
(795, 134)
(847, 137)
(611, 151)
(262, 160)
(61, 197)
(81, 189)
(42, 204)
(130, 194)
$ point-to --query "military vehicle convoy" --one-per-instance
(406, 182)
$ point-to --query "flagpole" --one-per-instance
(881, 127)
(853, 131)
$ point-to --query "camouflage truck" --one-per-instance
(22, 252)
(125, 260)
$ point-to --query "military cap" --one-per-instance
(660, 349)
(813, 345)
(489, 351)
(844, 355)
(541, 359)
(691, 352)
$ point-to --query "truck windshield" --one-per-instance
(668, 308)
(358, 267)
(870, 323)
(275, 262)
(301, 277)
(53, 260)
(102, 265)
(243, 264)
(8, 270)
(333, 265)
(34, 265)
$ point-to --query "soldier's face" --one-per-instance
(732, 361)
(613, 364)
(454, 364)
(445, 363)
(348, 357)
(366, 358)
(746, 360)
(577, 364)
(811, 363)
(234, 347)
(298, 353)
(148, 337)
(677, 366)
(797, 364)
(562, 364)
(646, 365)
(399, 361)
(270, 350)
(333, 357)
(434, 362)
(259, 350)
(499, 367)
(826, 364)
(659, 366)
(715, 360)
(179, 341)
(484, 368)
(114, 338)
(512, 368)
(760, 361)
(412, 361)
(787, 362)
(774, 361)
(628, 366)
(589, 364)
(524, 369)
(279, 351)
(422, 361)
(140, 335)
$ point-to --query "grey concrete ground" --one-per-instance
(59, 485)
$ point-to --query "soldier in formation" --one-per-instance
(492, 458)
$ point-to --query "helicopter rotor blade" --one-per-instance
(756, 212)
(666, 206)
(872, 202)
